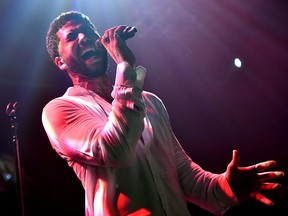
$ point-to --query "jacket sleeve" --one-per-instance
(77, 135)
(208, 190)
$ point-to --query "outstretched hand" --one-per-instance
(249, 182)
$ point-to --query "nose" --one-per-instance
(82, 40)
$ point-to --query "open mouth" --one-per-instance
(89, 54)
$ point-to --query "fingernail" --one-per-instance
(276, 186)
(279, 173)
(268, 163)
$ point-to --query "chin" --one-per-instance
(93, 69)
(96, 73)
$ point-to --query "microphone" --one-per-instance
(126, 34)
(129, 33)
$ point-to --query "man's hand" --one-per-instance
(248, 182)
(116, 46)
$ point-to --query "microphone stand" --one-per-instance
(11, 112)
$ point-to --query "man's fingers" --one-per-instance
(259, 197)
(235, 159)
(262, 166)
(265, 165)
(269, 186)
(270, 175)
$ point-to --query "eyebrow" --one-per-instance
(71, 31)
(79, 28)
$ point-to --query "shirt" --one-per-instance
(121, 173)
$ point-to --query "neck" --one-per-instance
(100, 85)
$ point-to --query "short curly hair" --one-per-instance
(52, 39)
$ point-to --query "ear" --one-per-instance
(59, 62)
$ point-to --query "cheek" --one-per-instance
(70, 55)
(67, 49)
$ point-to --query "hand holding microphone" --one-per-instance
(127, 33)
(114, 40)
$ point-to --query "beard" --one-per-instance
(92, 70)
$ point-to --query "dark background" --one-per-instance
(188, 48)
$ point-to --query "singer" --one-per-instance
(118, 138)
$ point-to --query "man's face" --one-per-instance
(77, 50)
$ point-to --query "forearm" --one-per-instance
(208, 190)
(79, 130)
(125, 125)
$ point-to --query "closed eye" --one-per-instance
(71, 36)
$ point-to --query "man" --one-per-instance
(118, 139)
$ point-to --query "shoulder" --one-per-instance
(151, 96)
(69, 98)
(152, 99)
(59, 106)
